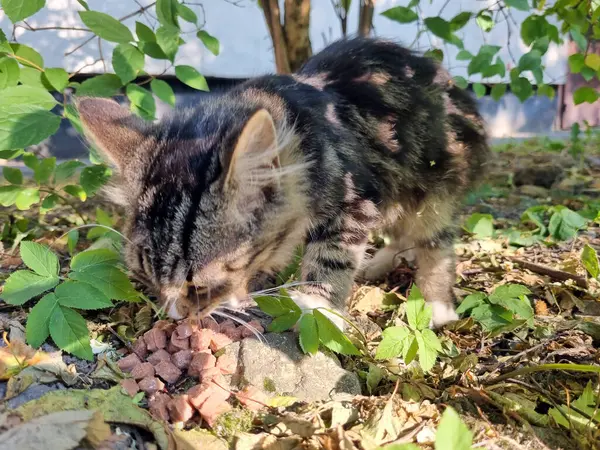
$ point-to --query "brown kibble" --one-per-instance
(130, 386)
(219, 341)
(140, 349)
(252, 398)
(246, 332)
(233, 333)
(201, 361)
(227, 323)
(211, 324)
(158, 405)
(180, 409)
(541, 308)
(182, 359)
(184, 330)
(226, 364)
(179, 343)
(155, 339)
(221, 386)
(158, 356)
(142, 370)
(199, 393)
(212, 408)
(129, 362)
(200, 339)
(209, 374)
(165, 325)
(167, 371)
(151, 385)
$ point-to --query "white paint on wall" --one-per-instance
(245, 44)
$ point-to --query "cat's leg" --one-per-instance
(388, 258)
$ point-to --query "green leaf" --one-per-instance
(38, 321)
(28, 56)
(75, 294)
(76, 191)
(585, 94)
(70, 333)
(592, 60)
(39, 258)
(530, 61)
(106, 27)
(284, 322)
(142, 101)
(435, 53)
(506, 291)
(44, 170)
(10, 154)
(93, 178)
(66, 170)
(464, 55)
(480, 225)
(25, 125)
(483, 59)
(394, 341)
(190, 76)
(26, 198)
(9, 194)
(210, 42)
(565, 223)
(479, 90)
(84, 4)
(521, 87)
(429, 347)
(546, 90)
(72, 238)
(417, 312)
(27, 95)
(332, 337)
(452, 433)
(533, 27)
(152, 49)
(50, 201)
(439, 27)
(186, 13)
(271, 305)
(17, 10)
(498, 90)
(518, 4)
(163, 91)
(93, 258)
(579, 38)
(12, 175)
(108, 279)
(401, 14)
(461, 82)
(23, 285)
(168, 40)
(9, 72)
(309, 335)
(471, 301)
(58, 78)
(374, 377)
(460, 20)
(144, 33)
(589, 259)
(106, 85)
(127, 61)
(485, 21)
(166, 11)
(519, 306)
(491, 317)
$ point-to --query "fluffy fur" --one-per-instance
(367, 135)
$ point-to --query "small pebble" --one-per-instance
(167, 371)
(180, 409)
(142, 370)
(158, 356)
(155, 339)
(129, 362)
(151, 385)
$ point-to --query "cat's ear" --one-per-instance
(112, 128)
(255, 153)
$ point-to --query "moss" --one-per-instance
(269, 385)
(234, 422)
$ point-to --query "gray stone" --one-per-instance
(533, 191)
(542, 174)
(278, 367)
(33, 392)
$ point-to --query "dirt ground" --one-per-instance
(518, 387)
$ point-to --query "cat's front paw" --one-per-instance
(443, 313)
(308, 302)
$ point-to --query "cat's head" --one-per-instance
(212, 195)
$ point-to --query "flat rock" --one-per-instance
(279, 367)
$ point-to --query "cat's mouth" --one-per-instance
(201, 302)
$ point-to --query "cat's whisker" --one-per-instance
(242, 322)
(283, 286)
(235, 310)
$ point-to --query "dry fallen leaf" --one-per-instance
(16, 356)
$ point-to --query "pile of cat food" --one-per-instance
(169, 353)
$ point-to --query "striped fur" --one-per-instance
(366, 136)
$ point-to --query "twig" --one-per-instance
(552, 273)
(544, 368)
(101, 54)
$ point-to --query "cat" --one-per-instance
(366, 136)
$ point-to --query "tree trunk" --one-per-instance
(296, 29)
(273, 18)
(365, 18)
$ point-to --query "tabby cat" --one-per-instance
(366, 136)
